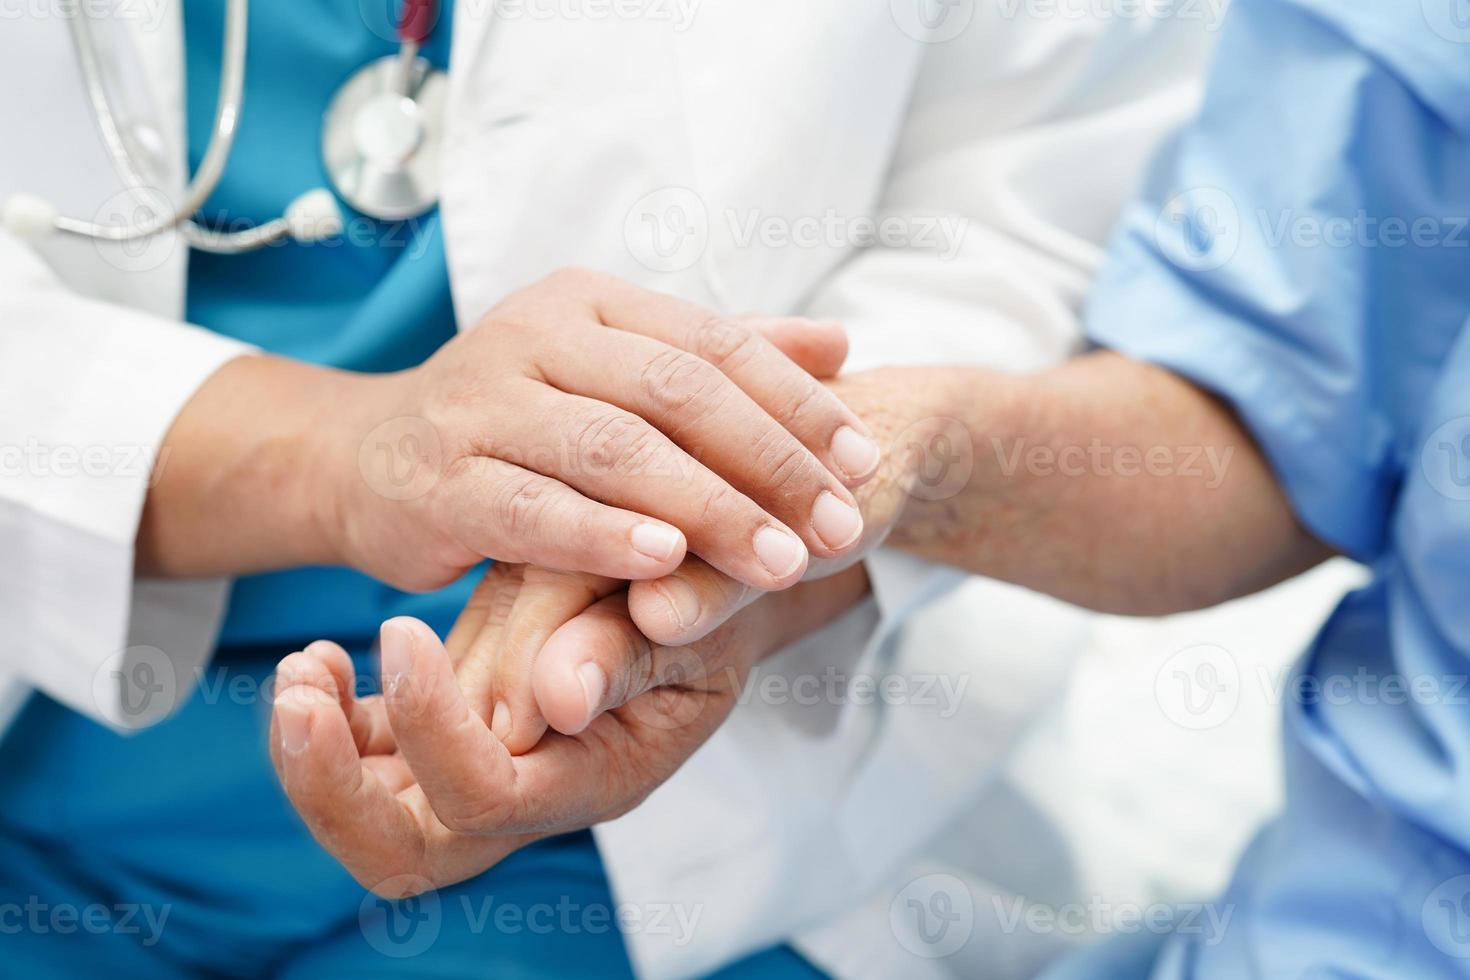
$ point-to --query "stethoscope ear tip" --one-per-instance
(27, 216)
(314, 216)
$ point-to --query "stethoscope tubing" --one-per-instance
(216, 153)
(313, 215)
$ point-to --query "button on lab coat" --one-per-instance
(744, 157)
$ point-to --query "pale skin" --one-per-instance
(1145, 541)
(585, 424)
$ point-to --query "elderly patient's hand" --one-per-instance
(411, 790)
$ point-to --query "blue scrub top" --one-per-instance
(1306, 255)
(376, 300)
(182, 828)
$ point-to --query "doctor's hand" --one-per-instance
(584, 424)
(411, 790)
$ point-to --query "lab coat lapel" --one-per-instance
(558, 127)
(653, 147)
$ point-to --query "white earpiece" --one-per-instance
(27, 216)
(314, 216)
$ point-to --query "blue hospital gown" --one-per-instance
(1306, 256)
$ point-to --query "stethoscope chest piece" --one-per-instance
(381, 139)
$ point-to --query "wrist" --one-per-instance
(945, 458)
(935, 425)
(243, 483)
(350, 423)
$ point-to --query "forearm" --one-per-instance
(241, 484)
(1108, 483)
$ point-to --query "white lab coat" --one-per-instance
(575, 140)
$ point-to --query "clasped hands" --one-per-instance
(692, 471)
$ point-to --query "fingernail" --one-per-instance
(656, 541)
(295, 726)
(682, 600)
(594, 686)
(500, 721)
(854, 453)
(287, 673)
(395, 644)
(781, 552)
(836, 522)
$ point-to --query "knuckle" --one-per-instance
(470, 819)
(719, 505)
(675, 380)
(616, 442)
(499, 580)
(572, 280)
(567, 275)
(500, 605)
(790, 469)
(519, 506)
(803, 402)
(721, 341)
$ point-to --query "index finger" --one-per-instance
(352, 813)
(811, 413)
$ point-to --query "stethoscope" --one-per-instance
(380, 146)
